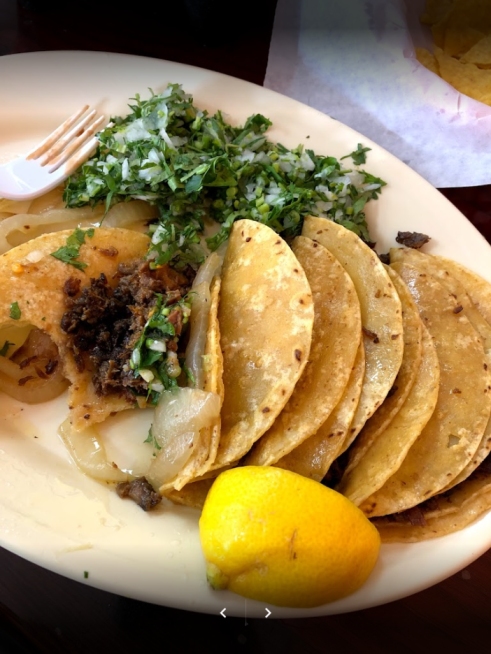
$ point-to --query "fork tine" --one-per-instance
(80, 156)
(74, 145)
(55, 135)
(65, 139)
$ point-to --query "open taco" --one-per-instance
(87, 310)
(40, 280)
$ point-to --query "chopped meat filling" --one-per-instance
(104, 321)
(413, 240)
(140, 491)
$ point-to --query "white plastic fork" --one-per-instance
(53, 160)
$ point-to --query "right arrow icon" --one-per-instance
(268, 613)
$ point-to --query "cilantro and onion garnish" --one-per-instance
(198, 169)
(154, 357)
(194, 166)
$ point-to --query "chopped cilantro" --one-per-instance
(69, 253)
(86, 574)
(189, 374)
(5, 348)
(15, 312)
(152, 440)
(191, 165)
(358, 155)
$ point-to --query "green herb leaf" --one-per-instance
(5, 348)
(358, 155)
(69, 253)
(152, 440)
(15, 312)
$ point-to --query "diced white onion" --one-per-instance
(155, 345)
(146, 374)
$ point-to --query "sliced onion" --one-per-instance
(88, 452)
(200, 309)
(23, 227)
(15, 206)
(209, 269)
(51, 200)
(36, 390)
(198, 322)
(180, 416)
(125, 214)
(16, 334)
(31, 383)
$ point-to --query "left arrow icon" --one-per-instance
(222, 612)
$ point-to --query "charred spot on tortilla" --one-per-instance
(371, 335)
(111, 251)
(413, 240)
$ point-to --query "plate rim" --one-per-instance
(350, 604)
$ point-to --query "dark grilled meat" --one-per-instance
(104, 321)
(140, 491)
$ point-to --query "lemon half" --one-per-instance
(272, 535)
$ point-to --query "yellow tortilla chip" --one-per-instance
(435, 11)
(461, 31)
(479, 54)
(466, 78)
(427, 59)
(457, 41)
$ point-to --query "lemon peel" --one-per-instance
(272, 535)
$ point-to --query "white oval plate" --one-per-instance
(52, 514)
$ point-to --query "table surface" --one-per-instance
(43, 612)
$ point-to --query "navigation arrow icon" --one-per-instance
(222, 612)
(268, 613)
